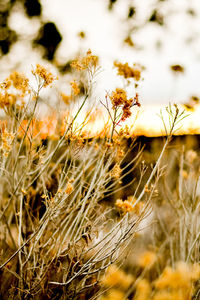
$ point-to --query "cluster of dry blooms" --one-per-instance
(16, 87)
(173, 284)
(129, 205)
(118, 99)
(44, 75)
(121, 104)
(8, 97)
(81, 64)
(85, 62)
(129, 72)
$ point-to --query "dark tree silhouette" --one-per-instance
(49, 37)
(33, 8)
(111, 2)
(131, 12)
(7, 36)
(157, 17)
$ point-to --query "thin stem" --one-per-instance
(59, 143)
(113, 124)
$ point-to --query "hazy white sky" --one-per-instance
(105, 32)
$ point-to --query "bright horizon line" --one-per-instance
(145, 121)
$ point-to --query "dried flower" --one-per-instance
(147, 259)
(178, 278)
(117, 277)
(6, 142)
(177, 68)
(19, 81)
(124, 206)
(143, 290)
(69, 188)
(116, 171)
(87, 61)
(76, 64)
(6, 84)
(66, 98)
(90, 60)
(129, 72)
(136, 100)
(120, 153)
(75, 87)
(129, 205)
(118, 97)
(170, 295)
(46, 76)
(7, 99)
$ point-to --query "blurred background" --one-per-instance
(162, 35)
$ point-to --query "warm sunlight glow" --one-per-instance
(146, 121)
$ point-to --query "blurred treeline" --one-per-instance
(48, 36)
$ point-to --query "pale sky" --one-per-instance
(105, 32)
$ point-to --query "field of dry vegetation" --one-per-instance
(105, 217)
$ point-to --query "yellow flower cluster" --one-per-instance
(116, 171)
(119, 98)
(17, 81)
(147, 259)
(75, 91)
(124, 206)
(143, 290)
(86, 62)
(6, 142)
(7, 99)
(129, 205)
(120, 153)
(171, 295)
(181, 277)
(118, 278)
(129, 72)
(173, 284)
(46, 76)
(75, 87)
(69, 188)
(65, 98)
